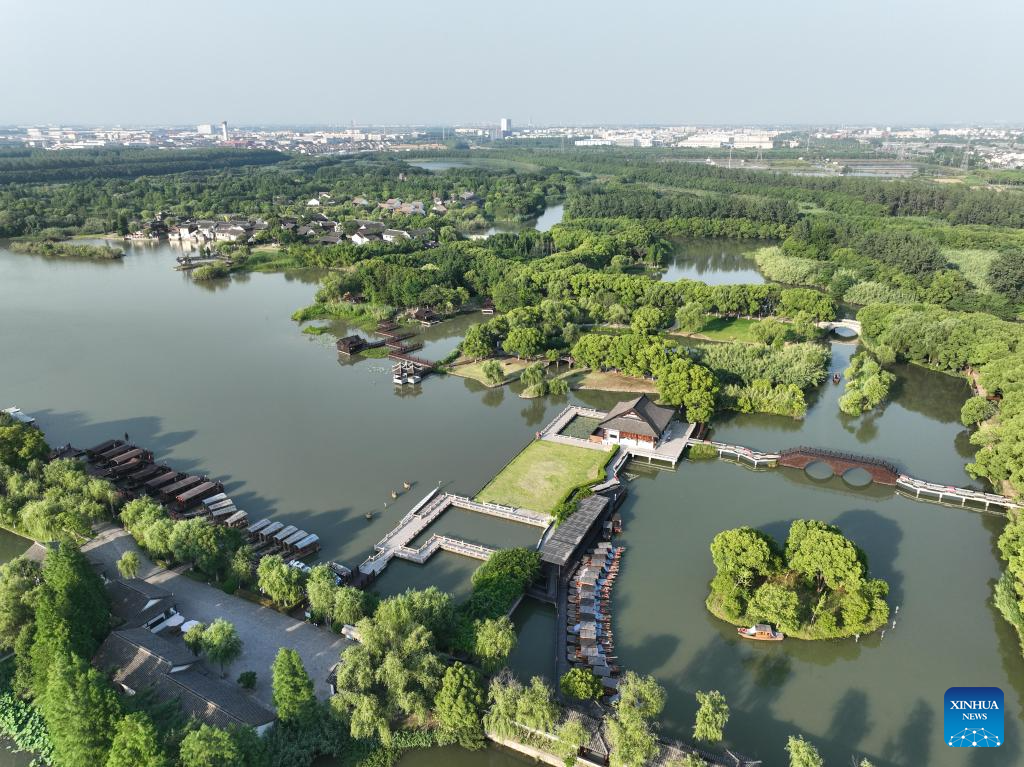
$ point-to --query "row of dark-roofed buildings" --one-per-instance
(135, 473)
(140, 655)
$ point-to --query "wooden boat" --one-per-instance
(761, 631)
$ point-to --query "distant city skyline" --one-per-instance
(111, 62)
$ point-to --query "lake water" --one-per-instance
(716, 262)
(217, 378)
(553, 214)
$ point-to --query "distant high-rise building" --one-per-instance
(206, 129)
(224, 131)
(506, 126)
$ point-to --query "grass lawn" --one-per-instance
(610, 381)
(726, 329)
(475, 370)
(540, 476)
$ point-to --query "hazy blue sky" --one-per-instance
(331, 62)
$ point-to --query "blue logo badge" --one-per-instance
(974, 717)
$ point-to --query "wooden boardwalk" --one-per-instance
(741, 454)
(443, 543)
(958, 496)
(423, 514)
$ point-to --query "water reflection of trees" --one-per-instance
(928, 392)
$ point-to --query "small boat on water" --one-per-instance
(836, 378)
(761, 631)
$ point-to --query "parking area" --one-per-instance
(263, 630)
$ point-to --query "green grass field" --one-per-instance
(540, 476)
(727, 329)
(475, 370)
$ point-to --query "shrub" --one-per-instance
(702, 452)
(247, 679)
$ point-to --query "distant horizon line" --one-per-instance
(889, 125)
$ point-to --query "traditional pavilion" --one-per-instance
(636, 422)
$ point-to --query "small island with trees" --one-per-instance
(817, 588)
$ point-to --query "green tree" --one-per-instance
(524, 342)
(682, 382)
(136, 744)
(647, 320)
(493, 372)
(977, 409)
(247, 680)
(128, 565)
(72, 615)
(802, 753)
(774, 603)
(241, 567)
(691, 318)
(193, 638)
(770, 332)
(1006, 275)
(572, 736)
(744, 553)
(536, 707)
(822, 554)
(80, 710)
(349, 605)
(580, 683)
(283, 584)
(292, 688)
(20, 444)
(712, 716)
(320, 593)
(458, 707)
(222, 644)
(629, 730)
(19, 581)
(211, 747)
(478, 341)
(495, 638)
(394, 671)
(532, 376)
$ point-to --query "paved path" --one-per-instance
(262, 629)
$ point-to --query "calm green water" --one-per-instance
(552, 215)
(217, 378)
(716, 262)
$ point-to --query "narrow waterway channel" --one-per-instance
(216, 378)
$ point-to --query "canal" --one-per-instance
(218, 379)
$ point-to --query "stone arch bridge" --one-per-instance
(881, 471)
(847, 324)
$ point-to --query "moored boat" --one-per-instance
(761, 631)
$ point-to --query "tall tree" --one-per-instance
(320, 592)
(293, 689)
(458, 708)
(349, 605)
(136, 744)
(802, 753)
(80, 710)
(494, 640)
(19, 581)
(712, 716)
(211, 747)
(281, 583)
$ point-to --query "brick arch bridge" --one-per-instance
(882, 472)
